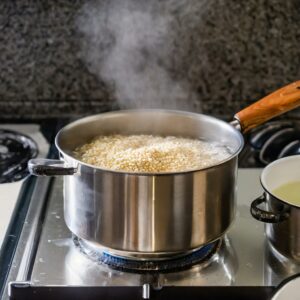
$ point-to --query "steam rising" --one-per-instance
(129, 44)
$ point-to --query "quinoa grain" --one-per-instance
(148, 153)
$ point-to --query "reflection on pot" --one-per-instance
(277, 266)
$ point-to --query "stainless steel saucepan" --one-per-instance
(282, 217)
(153, 215)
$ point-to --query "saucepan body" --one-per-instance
(147, 215)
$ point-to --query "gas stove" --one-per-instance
(18, 143)
(49, 262)
(51, 257)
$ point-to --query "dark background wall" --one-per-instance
(239, 51)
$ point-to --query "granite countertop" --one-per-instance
(230, 53)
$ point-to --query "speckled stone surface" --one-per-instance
(239, 51)
(40, 72)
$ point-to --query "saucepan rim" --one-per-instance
(191, 114)
(264, 185)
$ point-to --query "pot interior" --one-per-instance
(280, 172)
(154, 122)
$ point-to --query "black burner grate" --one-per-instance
(150, 266)
(269, 142)
(15, 151)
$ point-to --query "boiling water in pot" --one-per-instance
(148, 153)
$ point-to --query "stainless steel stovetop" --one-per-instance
(46, 254)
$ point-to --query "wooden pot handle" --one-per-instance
(275, 104)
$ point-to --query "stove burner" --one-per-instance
(150, 266)
(275, 140)
(15, 151)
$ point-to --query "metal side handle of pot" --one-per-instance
(49, 167)
(264, 215)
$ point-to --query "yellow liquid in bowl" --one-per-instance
(289, 192)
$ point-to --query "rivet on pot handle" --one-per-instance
(49, 167)
(263, 215)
